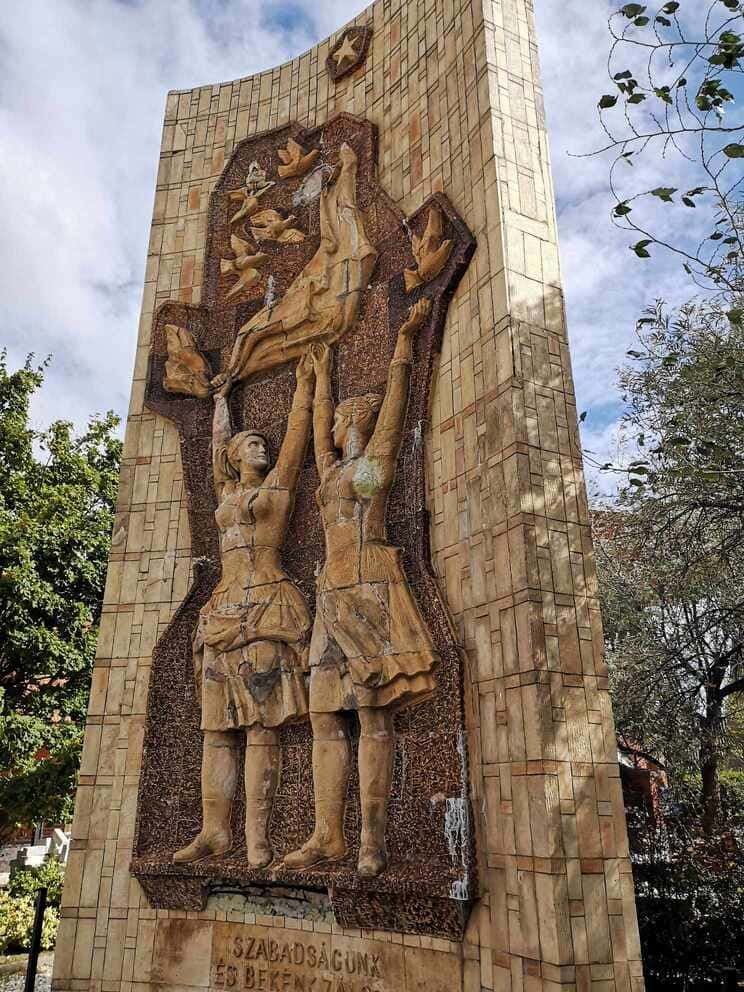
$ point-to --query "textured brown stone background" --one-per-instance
(430, 778)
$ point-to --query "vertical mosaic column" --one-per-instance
(539, 894)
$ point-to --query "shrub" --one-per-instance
(690, 899)
(17, 921)
(27, 881)
(732, 795)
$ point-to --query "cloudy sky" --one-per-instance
(82, 89)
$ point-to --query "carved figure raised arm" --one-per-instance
(323, 408)
(250, 646)
(288, 466)
(384, 445)
(221, 436)
(371, 651)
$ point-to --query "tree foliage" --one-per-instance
(57, 493)
(671, 553)
(17, 923)
(690, 899)
(684, 418)
(675, 71)
(674, 626)
(26, 882)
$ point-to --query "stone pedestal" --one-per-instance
(519, 879)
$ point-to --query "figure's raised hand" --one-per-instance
(321, 356)
(417, 316)
(305, 371)
(222, 385)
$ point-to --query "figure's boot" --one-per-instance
(373, 857)
(262, 761)
(330, 778)
(219, 773)
(327, 842)
(376, 753)
(257, 843)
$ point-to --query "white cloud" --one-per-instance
(82, 89)
(606, 286)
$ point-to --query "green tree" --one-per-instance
(690, 898)
(671, 552)
(57, 494)
(675, 72)
(674, 623)
(684, 418)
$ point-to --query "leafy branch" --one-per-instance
(673, 95)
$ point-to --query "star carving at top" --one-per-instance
(349, 52)
(346, 51)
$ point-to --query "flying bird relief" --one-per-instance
(430, 251)
(256, 184)
(323, 302)
(245, 265)
(269, 225)
(296, 161)
(186, 369)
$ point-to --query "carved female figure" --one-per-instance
(371, 650)
(251, 644)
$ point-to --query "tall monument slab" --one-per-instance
(349, 728)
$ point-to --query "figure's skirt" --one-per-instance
(253, 659)
(370, 645)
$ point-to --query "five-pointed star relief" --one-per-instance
(346, 51)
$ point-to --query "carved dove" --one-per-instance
(245, 265)
(430, 251)
(296, 161)
(269, 225)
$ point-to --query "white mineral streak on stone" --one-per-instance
(418, 435)
(310, 187)
(270, 296)
(368, 477)
(119, 537)
(455, 826)
(457, 829)
(348, 216)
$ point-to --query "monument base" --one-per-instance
(306, 953)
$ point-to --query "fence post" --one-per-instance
(33, 952)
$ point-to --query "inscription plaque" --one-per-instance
(235, 957)
(291, 961)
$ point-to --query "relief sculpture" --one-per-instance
(305, 711)
(295, 161)
(186, 372)
(371, 651)
(323, 301)
(251, 642)
(269, 225)
(256, 185)
(431, 252)
(245, 265)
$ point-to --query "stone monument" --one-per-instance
(349, 728)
